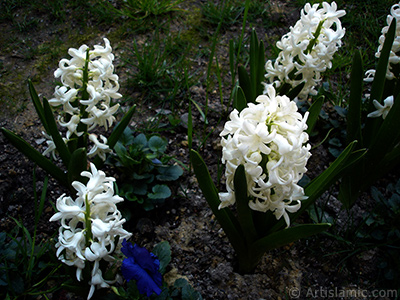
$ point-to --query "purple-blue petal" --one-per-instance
(145, 259)
(127, 249)
(156, 161)
(142, 266)
(144, 281)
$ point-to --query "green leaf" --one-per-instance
(336, 170)
(119, 129)
(388, 135)
(245, 84)
(354, 110)
(350, 186)
(260, 64)
(124, 156)
(169, 173)
(187, 291)
(380, 74)
(314, 111)
(77, 165)
(372, 124)
(157, 144)
(203, 115)
(38, 105)
(232, 60)
(253, 64)
(139, 188)
(239, 101)
(127, 137)
(225, 217)
(159, 192)
(163, 252)
(382, 156)
(140, 141)
(294, 92)
(242, 201)
(394, 202)
(61, 147)
(287, 236)
(36, 157)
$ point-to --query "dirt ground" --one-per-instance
(200, 250)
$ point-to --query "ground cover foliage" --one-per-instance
(172, 59)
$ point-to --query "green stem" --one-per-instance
(315, 39)
(248, 261)
(88, 223)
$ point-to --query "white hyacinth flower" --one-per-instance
(382, 110)
(90, 225)
(99, 148)
(269, 140)
(308, 48)
(101, 88)
(393, 57)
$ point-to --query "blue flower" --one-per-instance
(142, 266)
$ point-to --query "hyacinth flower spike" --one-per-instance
(262, 177)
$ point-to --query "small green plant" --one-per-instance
(26, 266)
(145, 167)
(383, 223)
(379, 228)
(382, 229)
(225, 12)
(143, 9)
(158, 70)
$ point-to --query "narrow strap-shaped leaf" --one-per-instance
(380, 74)
(372, 124)
(286, 236)
(78, 163)
(253, 64)
(283, 89)
(391, 160)
(388, 133)
(260, 68)
(232, 64)
(224, 216)
(62, 148)
(294, 92)
(354, 109)
(190, 130)
(243, 210)
(42, 199)
(116, 134)
(35, 156)
(244, 83)
(320, 184)
(119, 129)
(38, 105)
(239, 101)
(386, 139)
(314, 111)
(351, 181)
